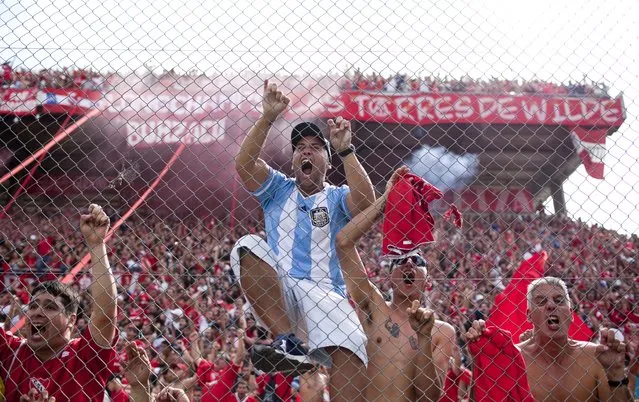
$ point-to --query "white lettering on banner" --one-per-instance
(434, 108)
(182, 106)
(424, 103)
(403, 112)
(609, 115)
(361, 104)
(532, 109)
(378, 107)
(154, 131)
(20, 107)
(571, 117)
(557, 116)
(463, 107)
(212, 103)
(506, 110)
(587, 112)
(443, 108)
(20, 96)
(487, 106)
(333, 105)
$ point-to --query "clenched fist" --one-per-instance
(420, 319)
(340, 133)
(94, 225)
(476, 330)
(273, 103)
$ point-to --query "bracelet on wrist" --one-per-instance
(345, 152)
(614, 384)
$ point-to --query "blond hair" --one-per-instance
(550, 280)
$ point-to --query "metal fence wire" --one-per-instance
(312, 201)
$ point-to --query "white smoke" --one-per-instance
(443, 169)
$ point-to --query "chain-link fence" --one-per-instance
(312, 201)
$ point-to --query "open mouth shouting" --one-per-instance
(306, 166)
(38, 331)
(408, 277)
(553, 322)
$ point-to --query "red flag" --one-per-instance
(591, 148)
(509, 310)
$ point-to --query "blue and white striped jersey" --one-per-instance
(301, 230)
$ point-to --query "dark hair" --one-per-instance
(69, 297)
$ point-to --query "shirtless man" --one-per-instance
(408, 349)
(559, 368)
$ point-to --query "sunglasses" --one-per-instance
(416, 260)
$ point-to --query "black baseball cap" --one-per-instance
(308, 129)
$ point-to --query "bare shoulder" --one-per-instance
(585, 349)
(442, 331)
(584, 352)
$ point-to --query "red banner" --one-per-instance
(200, 112)
(448, 108)
(501, 200)
(25, 101)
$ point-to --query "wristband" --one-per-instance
(344, 153)
(618, 383)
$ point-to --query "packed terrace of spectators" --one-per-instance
(175, 283)
(73, 78)
(65, 78)
(357, 80)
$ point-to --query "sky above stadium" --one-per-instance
(552, 40)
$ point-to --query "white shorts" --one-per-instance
(319, 317)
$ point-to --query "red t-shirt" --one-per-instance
(451, 385)
(217, 386)
(634, 318)
(78, 373)
(235, 398)
(282, 385)
(44, 246)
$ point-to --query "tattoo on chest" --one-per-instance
(392, 327)
(413, 342)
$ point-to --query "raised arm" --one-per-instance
(252, 170)
(359, 286)
(362, 193)
(94, 227)
(444, 340)
(137, 373)
(240, 353)
(427, 385)
(613, 382)
(194, 349)
(14, 310)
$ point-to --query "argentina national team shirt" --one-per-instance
(301, 230)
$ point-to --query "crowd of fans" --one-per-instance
(65, 78)
(74, 78)
(429, 84)
(179, 301)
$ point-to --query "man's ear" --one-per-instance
(72, 319)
